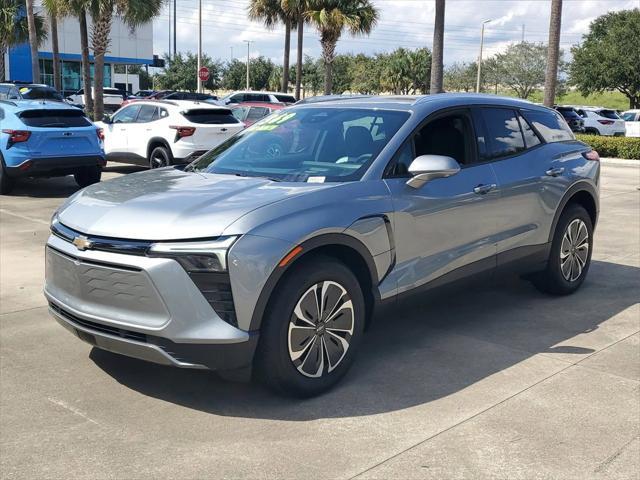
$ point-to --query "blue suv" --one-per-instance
(47, 139)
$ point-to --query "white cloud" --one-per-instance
(407, 23)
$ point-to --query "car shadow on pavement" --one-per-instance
(418, 354)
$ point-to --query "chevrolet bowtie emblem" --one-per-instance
(82, 243)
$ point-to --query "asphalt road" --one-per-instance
(491, 381)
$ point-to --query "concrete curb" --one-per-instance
(620, 161)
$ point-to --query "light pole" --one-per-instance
(480, 56)
(199, 45)
(248, 42)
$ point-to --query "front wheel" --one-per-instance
(570, 254)
(86, 176)
(312, 330)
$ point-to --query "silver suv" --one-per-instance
(272, 250)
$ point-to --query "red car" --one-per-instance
(250, 112)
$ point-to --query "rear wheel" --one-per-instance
(86, 176)
(570, 255)
(313, 329)
(6, 182)
(160, 157)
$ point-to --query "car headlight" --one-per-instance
(196, 257)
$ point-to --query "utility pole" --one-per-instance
(231, 53)
(169, 29)
(199, 45)
(175, 28)
(248, 42)
(480, 56)
(523, 33)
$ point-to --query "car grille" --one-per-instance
(99, 327)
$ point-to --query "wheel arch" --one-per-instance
(346, 249)
(583, 194)
(157, 142)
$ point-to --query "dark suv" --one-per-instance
(575, 121)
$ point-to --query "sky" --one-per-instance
(402, 23)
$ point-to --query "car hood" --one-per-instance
(170, 204)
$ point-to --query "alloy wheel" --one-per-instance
(320, 329)
(574, 250)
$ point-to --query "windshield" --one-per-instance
(306, 145)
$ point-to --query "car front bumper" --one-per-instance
(54, 166)
(142, 307)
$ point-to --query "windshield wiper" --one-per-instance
(244, 175)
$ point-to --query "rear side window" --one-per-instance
(148, 113)
(609, 114)
(256, 113)
(54, 118)
(549, 124)
(530, 137)
(210, 116)
(285, 98)
(503, 132)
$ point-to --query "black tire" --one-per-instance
(553, 279)
(86, 176)
(6, 182)
(273, 362)
(159, 157)
(592, 131)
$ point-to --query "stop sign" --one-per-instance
(203, 74)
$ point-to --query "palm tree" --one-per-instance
(271, 12)
(14, 28)
(297, 9)
(134, 13)
(33, 42)
(331, 17)
(553, 53)
(53, 8)
(438, 46)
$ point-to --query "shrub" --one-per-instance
(616, 147)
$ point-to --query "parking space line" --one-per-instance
(71, 409)
(24, 217)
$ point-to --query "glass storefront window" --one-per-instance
(71, 74)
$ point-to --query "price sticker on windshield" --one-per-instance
(273, 121)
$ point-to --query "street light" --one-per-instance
(480, 56)
(248, 42)
(199, 45)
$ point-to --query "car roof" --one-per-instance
(633, 110)
(22, 105)
(275, 106)
(179, 104)
(420, 102)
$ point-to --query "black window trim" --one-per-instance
(155, 107)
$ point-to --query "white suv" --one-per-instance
(112, 99)
(268, 97)
(161, 133)
(601, 121)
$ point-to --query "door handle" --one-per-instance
(554, 172)
(484, 189)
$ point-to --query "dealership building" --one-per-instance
(127, 47)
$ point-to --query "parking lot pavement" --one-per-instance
(509, 383)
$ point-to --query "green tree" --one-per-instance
(609, 56)
(461, 77)
(523, 67)
(365, 74)
(331, 18)
(181, 69)
(311, 75)
(272, 12)
(134, 13)
(14, 29)
(234, 74)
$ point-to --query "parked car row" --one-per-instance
(593, 120)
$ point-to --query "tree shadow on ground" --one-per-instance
(417, 354)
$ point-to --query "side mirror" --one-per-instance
(429, 167)
(106, 118)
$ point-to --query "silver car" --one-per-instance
(270, 252)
